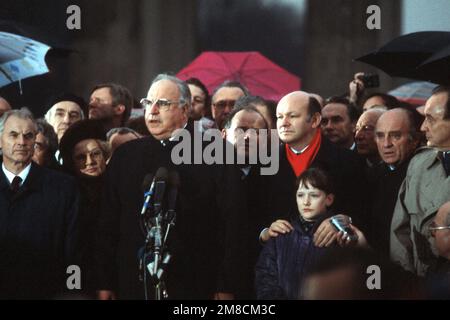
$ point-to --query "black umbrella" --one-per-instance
(437, 67)
(402, 56)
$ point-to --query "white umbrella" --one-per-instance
(20, 58)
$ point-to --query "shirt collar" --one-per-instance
(246, 170)
(437, 158)
(172, 138)
(23, 174)
(298, 152)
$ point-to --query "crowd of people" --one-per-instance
(71, 193)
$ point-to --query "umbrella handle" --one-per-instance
(20, 87)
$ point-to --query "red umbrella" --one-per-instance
(261, 76)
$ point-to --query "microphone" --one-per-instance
(161, 175)
(147, 184)
(160, 187)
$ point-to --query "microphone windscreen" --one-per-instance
(161, 174)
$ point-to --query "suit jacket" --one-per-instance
(346, 172)
(205, 243)
(38, 234)
(384, 186)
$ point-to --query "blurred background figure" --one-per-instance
(4, 106)
(111, 103)
(365, 137)
(201, 100)
(223, 99)
(339, 118)
(266, 108)
(65, 109)
(46, 145)
(138, 124)
(118, 136)
(438, 276)
(353, 273)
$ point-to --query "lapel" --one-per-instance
(32, 183)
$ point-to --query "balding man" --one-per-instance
(365, 136)
(425, 188)
(397, 138)
(209, 206)
(298, 124)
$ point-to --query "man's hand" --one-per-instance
(276, 228)
(325, 235)
(344, 241)
(106, 295)
(356, 87)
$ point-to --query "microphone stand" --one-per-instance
(155, 247)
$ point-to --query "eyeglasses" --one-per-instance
(96, 154)
(222, 104)
(433, 228)
(163, 104)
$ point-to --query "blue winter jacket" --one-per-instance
(285, 260)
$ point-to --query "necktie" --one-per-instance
(446, 162)
(15, 184)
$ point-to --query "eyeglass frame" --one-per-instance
(163, 104)
(432, 228)
(95, 154)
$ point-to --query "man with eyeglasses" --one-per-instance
(440, 231)
(223, 99)
(438, 275)
(205, 241)
(425, 188)
(111, 103)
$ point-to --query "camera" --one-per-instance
(342, 223)
(370, 80)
